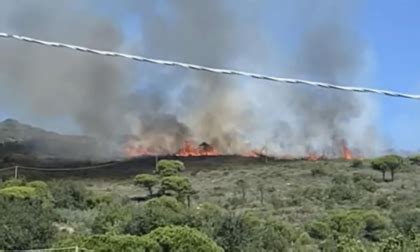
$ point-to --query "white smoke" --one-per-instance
(108, 98)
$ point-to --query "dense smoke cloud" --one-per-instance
(51, 83)
(329, 51)
(163, 107)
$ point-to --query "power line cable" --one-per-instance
(7, 168)
(82, 168)
(209, 69)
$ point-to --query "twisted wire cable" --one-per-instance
(209, 69)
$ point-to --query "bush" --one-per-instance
(387, 163)
(348, 244)
(400, 243)
(295, 198)
(36, 190)
(242, 186)
(236, 232)
(357, 224)
(42, 190)
(407, 221)
(111, 243)
(146, 180)
(19, 192)
(234, 202)
(319, 171)
(357, 177)
(304, 242)
(169, 167)
(39, 186)
(276, 201)
(328, 245)
(343, 189)
(375, 226)
(277, 236)
(383, 201)
(208, 211)
(364, 182)
(157, 212)
(68, 194)
(347, 223)
(343, 193)
(357, 163)
(415, 159)
(176, 184)
(81, 221)
(314, 193)
(341, 179)
(112, 218)
(25, 224)
(206, 217)
(318, 230)
(175, 238)
(12, 182)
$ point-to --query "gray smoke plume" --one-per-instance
(50, 83)
(163, 107)
(331, 51)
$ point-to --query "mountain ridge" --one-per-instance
(21, 138)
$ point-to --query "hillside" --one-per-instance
(17, 138)
(235, 204)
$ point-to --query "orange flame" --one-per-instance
(252, 153)
(346, 152)
(188, 149)
(134, 148)
(136, 151)
(313, 156)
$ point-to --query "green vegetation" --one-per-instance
(173, 238)
(242, 185)
(170, 180)
(12, 182)
(387, 163)
(303, 206)
(261, 190)
(68, 194)
(147, 181)
(19, 192)
(111, 243)
(176, 184)
(35, 190)
(158, 212)
(415, 159)
(169, 167)
(25, 224)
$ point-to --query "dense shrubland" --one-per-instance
(313, 206)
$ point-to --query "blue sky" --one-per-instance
(391, 31)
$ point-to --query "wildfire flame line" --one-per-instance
(346, 153)
(190, 149)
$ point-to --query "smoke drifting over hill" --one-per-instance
(164, 107)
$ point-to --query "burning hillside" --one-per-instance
(187, 149)
(191, 149)
(169, 111)
(16, 137)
